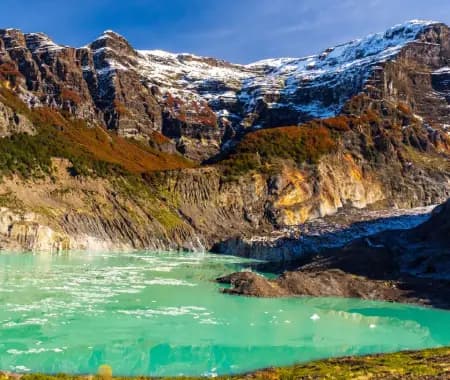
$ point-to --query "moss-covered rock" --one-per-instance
(426, 365)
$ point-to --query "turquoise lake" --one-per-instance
(162, 314)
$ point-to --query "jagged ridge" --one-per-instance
(387, 146)
(201, 103)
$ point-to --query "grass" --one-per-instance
(427, 364)
(302, 144)
(92, 152)
(430, 161)
(149, 195)
(10, 200)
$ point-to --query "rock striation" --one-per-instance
(404, 266)
(205, 103)
(273, 144)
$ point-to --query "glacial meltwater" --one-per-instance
(162, 314)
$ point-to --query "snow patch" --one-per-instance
(41, 43)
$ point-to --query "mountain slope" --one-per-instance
(203, 102)
(102, 145)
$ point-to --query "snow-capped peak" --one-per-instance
(109, 34)
(383, 44)
(220, 83)
(108, 37)
(40, 42)
(309, 87)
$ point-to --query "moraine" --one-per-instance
(161, 314)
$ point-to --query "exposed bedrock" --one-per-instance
(196, 209)
(203, 104)
(410, 265)
(389, 146)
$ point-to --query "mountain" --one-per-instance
(202, 103)
(109, 146)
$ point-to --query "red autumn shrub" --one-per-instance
(70, 96)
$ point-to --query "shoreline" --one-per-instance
(421, 364)
(421, 292)
(278, 245)
(408, 266)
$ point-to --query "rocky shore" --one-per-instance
(409, 266)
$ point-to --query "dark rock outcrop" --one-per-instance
(204, 103)
(389, 144)
(402, 266)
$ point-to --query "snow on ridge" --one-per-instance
(187, 75)
(352, 61)
(378, 45)
(219, 83)
(158, 53)
(111, 68)
(443, 70)
(107, 34)
(41, 43)
(198, 79)
(280, 75)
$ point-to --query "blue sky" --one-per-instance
(237, 30)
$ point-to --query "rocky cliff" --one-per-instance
(107, 147)
(410, 265)
(203, 103)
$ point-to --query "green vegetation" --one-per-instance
(427, 161)
(301, 144)
(91, 151)
(239, 164)
(428, 364)
(9, 200)
(147, 193)
(31, 156)
(90, 148)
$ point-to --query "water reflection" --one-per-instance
(160, 314)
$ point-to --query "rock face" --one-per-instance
(407, 266)
(380, 103)
(11, 122)
(204, 103)
(437, 229)
(425, 250)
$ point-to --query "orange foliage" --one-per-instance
(8, 71)
(159, 138)
(371, 117)
(191, 112)
(173, 103)
(208, 119)
(203, 114)
(338, 123)
(79, 138)
(132, 156)
(304, 143)
(404, 108)
(47, 116)
(70, 95)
